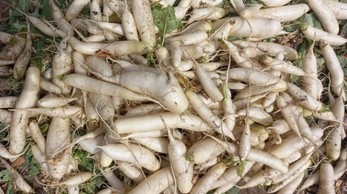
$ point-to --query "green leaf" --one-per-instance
(233, 190)
(46, 10)
(241, 168)
(342, 60)
(5, 176)
(325, 108)
(34, 170)
(345, 71)
(189, 158)
(10, 188)
(84, 162)
(311, 20)
(165, 20)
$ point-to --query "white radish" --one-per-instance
(17, 178)
(49, 86)
(134, 154)
(167, 91)
(257, 115)
(211, 176)
(292, 186)
(77, 179)
(285, 13)
(255, 27)
(114, 181)
(90, 84)
(40, 158)
(310, 82)
(27, 98)
(144, 21)
(75, 9)
(235, 54)
(131, 171)
(207, 84)
(207, 115)
(182, 168)
(58, 137)
(37, 136)
(129, 26)
(159, 122)
(155, 183)
(157, 144)
(325, 15)
(320, 35)
(326, 179)
(245, 144)
(269, 47)
(6, 154)
(62, 112)
(51, 101)
(23, 59)
(335, 69)
(252, 76)
(204, 150)
(228, 108)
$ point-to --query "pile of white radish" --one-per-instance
(169, 109)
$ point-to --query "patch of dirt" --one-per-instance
(4, 8)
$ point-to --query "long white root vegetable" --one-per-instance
(211, 176)
(325, 15)
(28, 98)
(58, 137)
(155, 184)
(207, 115)
(17, 178)
(326, 179)
(134, 154)
(144, 21)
